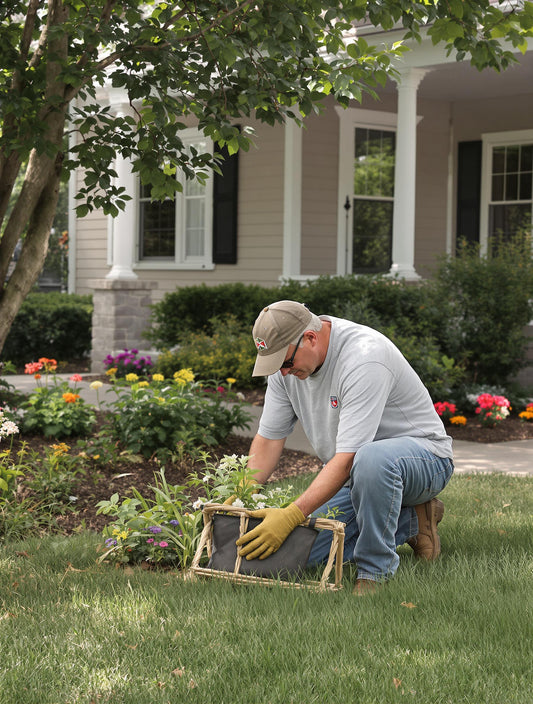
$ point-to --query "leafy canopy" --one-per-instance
(215, 60)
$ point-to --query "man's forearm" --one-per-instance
(264, 456)
(327, 483)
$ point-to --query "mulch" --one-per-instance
(102, 481)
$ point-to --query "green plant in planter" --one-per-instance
(165, 529)
(154, 418)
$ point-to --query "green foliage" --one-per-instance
(228, 352)
(140, 523)
(51, 324)
(200, 308)
(480, 306)
(439, 373)
(159, 417)
(57, 412)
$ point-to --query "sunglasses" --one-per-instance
(289, 363)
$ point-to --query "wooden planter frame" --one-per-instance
(335, 557)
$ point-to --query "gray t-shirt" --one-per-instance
(365, 391)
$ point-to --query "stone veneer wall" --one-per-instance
(120, 316)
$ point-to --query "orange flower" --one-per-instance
(50, 365)
(70, 397)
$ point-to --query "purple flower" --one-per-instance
(110, 541)
(174, 522)
(155, 529)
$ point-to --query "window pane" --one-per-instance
(526, 191)
(506, 220)
(372, 236)
(511, 162)
(498, 160)
(157, 229)
(511, 187)
(194, 239)
(526, 158)
(497, 188)
(374, 162)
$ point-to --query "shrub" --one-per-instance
(481, 305)
(193, 308)
(166, 416)
(51, 324)
(228, 352)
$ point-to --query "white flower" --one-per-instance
(240, 395)
(206, 478)
(198, 504)
(261, 504)
(8, 428)
(258, 497)
(238, 503)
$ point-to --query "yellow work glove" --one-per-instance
(270, 534)
(244, 484)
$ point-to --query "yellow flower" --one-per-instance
(458, 420)
(184, 376)
(231, 380)
(122, 535)
(111, 372)
(131, 377)
(143, 384)
(158, 377)
(60, 449)
(96, 385)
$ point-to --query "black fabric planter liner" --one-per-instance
(286, 563)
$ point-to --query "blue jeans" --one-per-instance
(388, 478)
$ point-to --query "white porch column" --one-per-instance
(123, 225)
(403, 219)
(292, 200)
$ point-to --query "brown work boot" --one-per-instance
(427, 543)
(365, 586)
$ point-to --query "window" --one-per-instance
(373, 199)
(178, 232)
(367, 151)
(507, 185)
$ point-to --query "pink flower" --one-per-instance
(32, 367)
(76, 377)
(163, 544)
(150, 540)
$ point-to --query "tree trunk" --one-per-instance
(33, 254)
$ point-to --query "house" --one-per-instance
(385, 185)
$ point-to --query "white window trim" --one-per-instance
(491, 140)
(349, 119)
(201, 263)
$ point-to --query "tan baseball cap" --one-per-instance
(277, 327)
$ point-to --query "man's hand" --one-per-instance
(270, 534)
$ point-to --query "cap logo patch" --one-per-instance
(260, 344)
(334, 401)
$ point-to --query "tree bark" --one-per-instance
(32, 255)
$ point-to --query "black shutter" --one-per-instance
(225, 193)
(468, 191)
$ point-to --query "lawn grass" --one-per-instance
(458, 630)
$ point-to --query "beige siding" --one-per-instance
(433, 145)
(320, 177)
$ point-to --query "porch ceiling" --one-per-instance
(458, 81)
